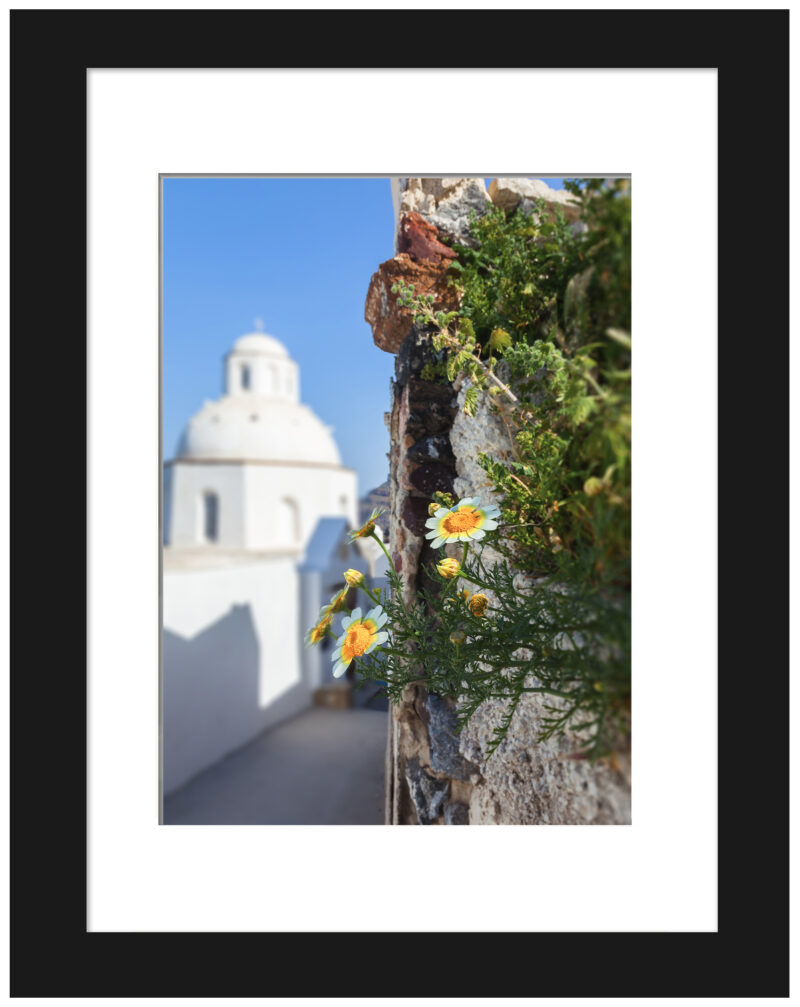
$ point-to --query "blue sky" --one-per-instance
(297, 253)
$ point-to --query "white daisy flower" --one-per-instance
(360, 636)
(462, 523)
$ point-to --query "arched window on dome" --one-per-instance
(244, 377)
(208, 517)
(287, 525)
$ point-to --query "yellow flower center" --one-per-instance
(461, 521)
(357, 640)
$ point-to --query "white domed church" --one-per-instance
(255, 502)
(256, 469)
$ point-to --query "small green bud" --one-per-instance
(499, 340)
(467, 329)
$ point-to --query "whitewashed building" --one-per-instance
(255, 472)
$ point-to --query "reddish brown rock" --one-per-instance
(420, 239)
(390, 324)
(415, 514)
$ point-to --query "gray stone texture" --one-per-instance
(456, 813)
(445, 202)
(427, 792)
(511, 193)
(445, 755)
(435, 774)
(526, 782)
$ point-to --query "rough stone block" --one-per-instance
(435, 448)
(456, 813)
(445, 756)
(415, 513)
(446, 203)
(427, 793)
(390, 323)
(432, 477)
(509, 193)
(431, 408)
(420, 239)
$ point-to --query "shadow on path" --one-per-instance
(323, 767)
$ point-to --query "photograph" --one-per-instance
(353, 452)
(396, 500)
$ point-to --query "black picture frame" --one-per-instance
(52, 955)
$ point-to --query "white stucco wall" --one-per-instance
(231, 656)
(310, 492)
(261, 505)
(189, 482)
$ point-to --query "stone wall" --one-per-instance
(434, 776)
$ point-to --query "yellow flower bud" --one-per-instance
(433, 507)
(458, 636)
(338, 602)
(449, 568)
(478, 604)
(318, 632)
(355, 578)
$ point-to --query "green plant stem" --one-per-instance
(369, 593)
(385, 553)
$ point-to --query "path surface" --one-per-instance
(323, 767)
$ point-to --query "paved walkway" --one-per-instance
(323, 767)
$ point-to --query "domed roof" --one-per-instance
(257, 428)
(262, 344)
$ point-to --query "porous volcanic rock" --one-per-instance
(420, 239)
(391, 324)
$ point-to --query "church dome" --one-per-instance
(262, 344)
(256, 428)
(260, 418)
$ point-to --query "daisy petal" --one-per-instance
(339, 670)
(381, 638)
(489, 525)
(354, 616)
(479, 533)
(438, 543)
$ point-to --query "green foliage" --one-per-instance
(551, 300)
(541, 638)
